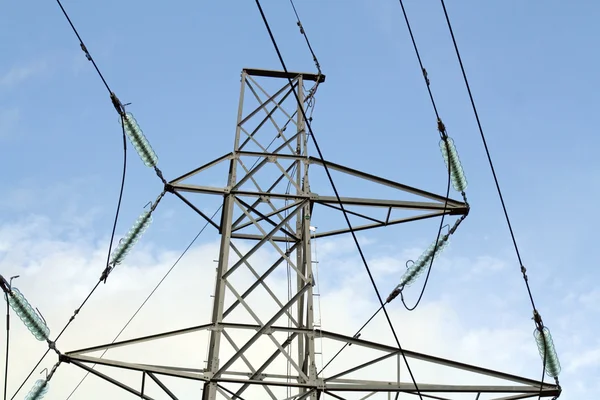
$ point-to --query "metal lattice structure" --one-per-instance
(262, 340)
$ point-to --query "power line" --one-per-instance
(303, 32)
(536, 315)
(356, 335)
(121, 110)
(443, 135)
(83, 47)
(423, 70)
(351, 229)
(77, 310)
(487, 151)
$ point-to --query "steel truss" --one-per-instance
(265, 231)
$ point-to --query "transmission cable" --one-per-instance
(444, 136)
(52, 345)
(303, 32)
(356, 336)
(351, 229)
(87, 54)
(489, 157)
(536, 315)
(121, 111)
(423, 70)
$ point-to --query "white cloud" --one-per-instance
(19, 74)
(57, 273)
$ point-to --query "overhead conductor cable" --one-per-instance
(131, 129)
(542, 336)
(338, 198)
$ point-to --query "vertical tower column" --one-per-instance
(266, 206)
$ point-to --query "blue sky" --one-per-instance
(531, 68)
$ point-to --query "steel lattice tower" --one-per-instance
(262, 343)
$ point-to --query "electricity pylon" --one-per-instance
(263, 341)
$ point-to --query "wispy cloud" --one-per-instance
(21, 73)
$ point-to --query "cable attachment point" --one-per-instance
(456, 224)
(426, 77)
(52, 371)
(52, 346)
(85, 50)
(441, 128)
(300, 26)
(524, 272)
(160, 175)
(394, 293)
(74, 315)
(158, 199)
(4, 285)
(537, 318)
(105, 273)
(117, 104)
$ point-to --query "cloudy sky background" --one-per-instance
(530, 66)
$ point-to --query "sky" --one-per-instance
(530, 66)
